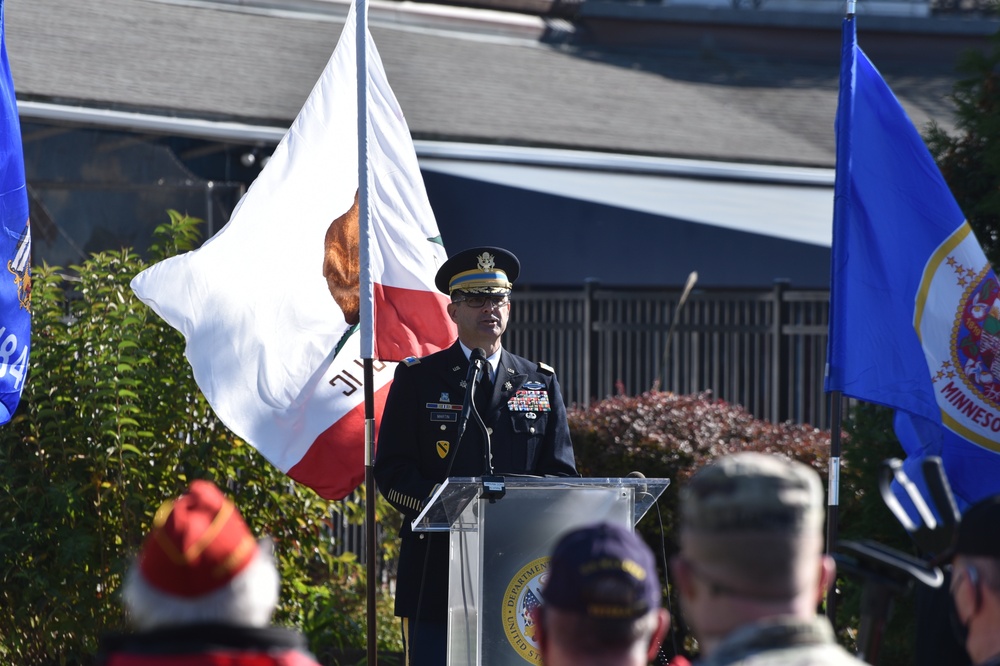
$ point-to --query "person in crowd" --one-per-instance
(601, 601)
(975, 581)
(751, 572)
(202, 591)
(425, 437)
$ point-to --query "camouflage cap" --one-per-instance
(753, 524)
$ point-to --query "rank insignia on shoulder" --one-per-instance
(546, 368)
(411, 360)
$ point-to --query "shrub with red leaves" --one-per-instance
(668, 435)
(665, 435)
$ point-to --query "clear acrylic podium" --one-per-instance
(499, 552)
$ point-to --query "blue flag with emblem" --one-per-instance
(15, 246)
(914, 304)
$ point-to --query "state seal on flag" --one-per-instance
(20, 267)
(523, 595)
(958, 319)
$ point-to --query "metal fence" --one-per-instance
(762, 349)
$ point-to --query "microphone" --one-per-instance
(477, 359)
(642, 488)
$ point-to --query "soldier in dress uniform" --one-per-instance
(418, 444)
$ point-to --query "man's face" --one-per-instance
(965, 592)
(480, 326)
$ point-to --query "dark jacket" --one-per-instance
(206, 645)
(418, 441)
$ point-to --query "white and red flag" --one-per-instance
(269, 305)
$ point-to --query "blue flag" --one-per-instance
(915, 305)
(15, 246)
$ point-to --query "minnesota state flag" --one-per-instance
(915, 305)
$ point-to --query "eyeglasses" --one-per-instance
(497, 301)
(969, 572)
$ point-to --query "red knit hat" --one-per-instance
(198, 544)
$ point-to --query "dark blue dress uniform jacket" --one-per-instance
(417, 441)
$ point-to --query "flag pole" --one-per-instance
(836, 420)
(367, 321)
(833, 492)
(370, 542)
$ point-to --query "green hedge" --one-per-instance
(111, 423)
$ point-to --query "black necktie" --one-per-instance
(484, 392)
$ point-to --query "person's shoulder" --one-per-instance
(816, 655)
(825, 654)
(201, 638)
(528, 366)
(432, 360)
(543, 369)
(782, 641)
(805, 655)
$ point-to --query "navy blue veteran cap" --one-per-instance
(603, 571)
(978, 533)
(479, 270)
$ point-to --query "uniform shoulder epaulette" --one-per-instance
(546, 368)
(411, 360)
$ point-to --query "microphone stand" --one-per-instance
(469, 407)
(493, 485)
